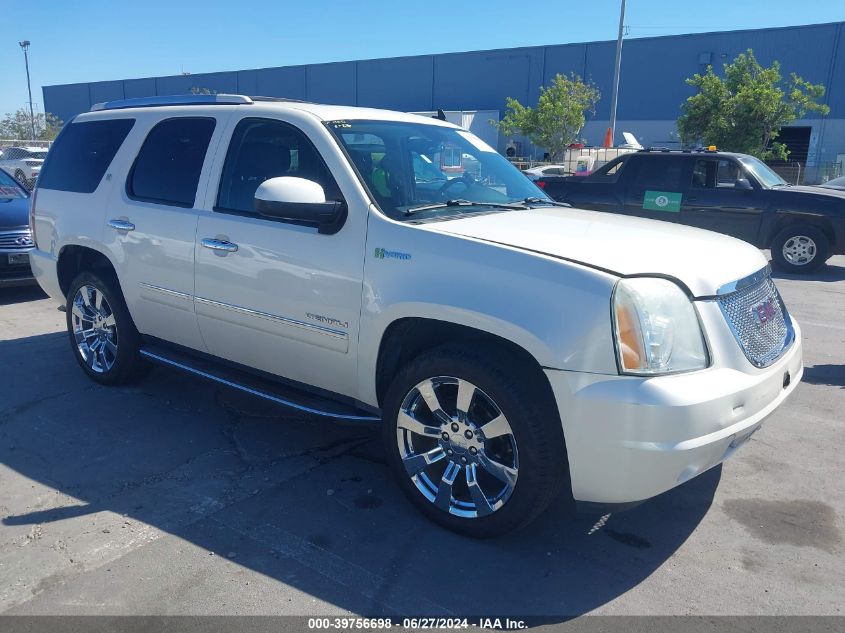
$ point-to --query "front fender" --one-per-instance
(558, 311)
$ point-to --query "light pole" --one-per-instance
(615, 95)
(25, 46)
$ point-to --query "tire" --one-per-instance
(109, 352)
(529, 444)
(800, 249)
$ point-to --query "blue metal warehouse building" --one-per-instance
(651, 91)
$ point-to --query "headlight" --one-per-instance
(656, 327)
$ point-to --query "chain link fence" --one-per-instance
(22, 159)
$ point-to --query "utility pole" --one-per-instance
(25, 46)
(615, 95)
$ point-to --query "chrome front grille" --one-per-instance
(758, 318)
(16, 240)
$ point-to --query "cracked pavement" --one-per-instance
(176, 496)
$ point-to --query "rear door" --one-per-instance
(655, 185)
(152, 220)
(717, 201)
(600, 191)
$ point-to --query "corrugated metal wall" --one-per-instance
(652, 86)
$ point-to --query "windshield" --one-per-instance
(9, 188)
(762, 172)
(408, 165)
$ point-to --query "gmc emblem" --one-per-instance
(764, 312)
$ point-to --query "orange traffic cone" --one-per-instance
(608, 138)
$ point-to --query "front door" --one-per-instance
(718, 199)
(274, 295)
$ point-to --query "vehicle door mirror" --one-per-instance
(743, 184)
(299, 201)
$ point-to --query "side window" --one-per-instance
(661, 174)
(727, 174)
(610, 172)
(265, 148)
(82, 153)
(704, 174)
(167, 169)
(713, 173)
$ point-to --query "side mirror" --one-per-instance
(299, 201)
(743, 183)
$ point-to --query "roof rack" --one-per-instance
(666, 150)
(172, 100)
(278, 99)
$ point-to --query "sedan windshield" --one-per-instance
(762, 172)
(420, 170)
(9, 187)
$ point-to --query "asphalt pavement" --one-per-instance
(176, 496)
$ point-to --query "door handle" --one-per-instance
(121, 225)
(219, 245)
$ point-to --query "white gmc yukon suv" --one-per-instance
(370, 265)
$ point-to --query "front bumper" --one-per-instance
(630, 438)
(15, 274)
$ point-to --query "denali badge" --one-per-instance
(764, 312)
(327, 320)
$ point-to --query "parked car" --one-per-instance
(835, 183)
(24, 163)
(535, 173)
(734, 194)
(15, 235)
(510, 348)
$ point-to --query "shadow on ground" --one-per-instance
(304, 502)
(21, 294)
(832, 375)
(828, 273)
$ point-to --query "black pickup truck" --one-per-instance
(729, 193)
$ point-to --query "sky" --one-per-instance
(94, 40)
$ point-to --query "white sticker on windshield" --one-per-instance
(476, 142)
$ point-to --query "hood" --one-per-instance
(14, 213)
(702, 260)
(826, 192)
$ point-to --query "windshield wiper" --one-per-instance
(551, 203)
(460, 202)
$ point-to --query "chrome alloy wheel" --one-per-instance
(457, 447)
(94, 329)
(799, 250)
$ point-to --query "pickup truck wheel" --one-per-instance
(102, 335)
(800, 249)
(476, 449)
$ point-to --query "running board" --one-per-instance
(279, 394)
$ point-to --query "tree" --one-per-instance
(559, 116)
(18, 126)
(744, 110)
